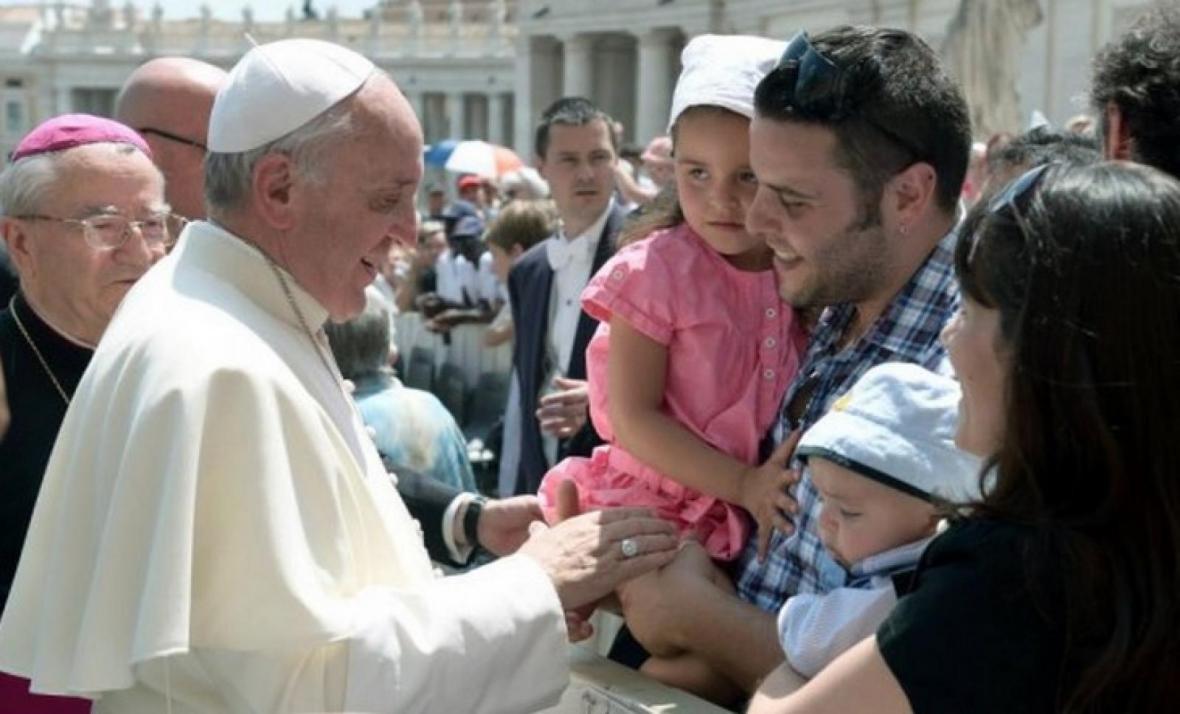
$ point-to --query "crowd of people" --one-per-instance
(840, 409)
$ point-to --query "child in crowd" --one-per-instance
(520, 225)
(696, 348)
(883, 460)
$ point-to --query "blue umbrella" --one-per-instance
(437, 154)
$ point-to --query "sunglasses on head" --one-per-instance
(819, 84)
(1017, 190)
(820, 89)
(1015, 194)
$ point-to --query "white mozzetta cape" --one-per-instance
(214, 531)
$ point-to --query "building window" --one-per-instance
(99, 102)
(14, 117)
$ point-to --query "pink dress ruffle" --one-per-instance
(733, 347)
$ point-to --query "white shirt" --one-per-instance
(215, 533)
(565, 302)
(461, 282)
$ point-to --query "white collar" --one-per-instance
(594, 231)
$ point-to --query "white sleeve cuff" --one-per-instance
(460, 553)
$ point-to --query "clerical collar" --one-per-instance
(244, 263)
(26, 303)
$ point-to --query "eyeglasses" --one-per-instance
(819, 89)
(172, 137)
(1008, 200)
(110, 231)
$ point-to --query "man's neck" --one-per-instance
(869, 310)
(573, 227)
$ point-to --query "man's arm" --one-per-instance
(500, 527)
(679, 608)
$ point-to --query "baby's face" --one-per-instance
(862, 517)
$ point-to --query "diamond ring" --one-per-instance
(629, 547)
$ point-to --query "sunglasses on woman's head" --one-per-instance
(1015, 192)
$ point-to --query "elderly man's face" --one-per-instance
(349, 221)
(809, 211)
(76, 285)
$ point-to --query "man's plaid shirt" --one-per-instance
(907, 331)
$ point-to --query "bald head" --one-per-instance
(174, 96)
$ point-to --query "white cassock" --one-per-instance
(215, 533)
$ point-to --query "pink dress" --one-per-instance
(733, 347)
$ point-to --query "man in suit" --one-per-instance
(576, 154)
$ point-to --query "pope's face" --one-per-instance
(364, 203)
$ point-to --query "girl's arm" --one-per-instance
(858, 681)
(636, 375)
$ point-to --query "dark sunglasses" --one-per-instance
(819, 89)
(172, 137)
(1012, 200)
(1017, 190)
(819, 84)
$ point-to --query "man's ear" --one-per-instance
(1116, 140)
(910, 193)
(272, 190)
(19, 240)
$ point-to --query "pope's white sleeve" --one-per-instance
(491, 640)
(816, 629)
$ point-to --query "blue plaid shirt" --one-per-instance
(906, 332)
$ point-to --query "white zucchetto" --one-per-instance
(280, 86)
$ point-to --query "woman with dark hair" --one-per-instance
(1059, 591)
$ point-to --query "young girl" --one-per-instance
(696, 348)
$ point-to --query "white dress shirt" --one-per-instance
(571, 258)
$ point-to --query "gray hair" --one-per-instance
(228, 177)
(361, 345)
(25, 183)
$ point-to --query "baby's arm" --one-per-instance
(636, 376)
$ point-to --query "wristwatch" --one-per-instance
(471, 520)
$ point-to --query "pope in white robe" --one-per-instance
(206, 375)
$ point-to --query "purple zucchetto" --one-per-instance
(70, 130)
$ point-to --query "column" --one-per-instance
(522, 129)
(496, 101)
(577, 66)
(64, 103)
(455, 115)
(653, 91)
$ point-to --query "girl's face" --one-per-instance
(976, 348)
(716, 185)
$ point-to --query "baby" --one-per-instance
(882, 460)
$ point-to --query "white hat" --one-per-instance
(278, 87)
(723, 71)
(897, 426)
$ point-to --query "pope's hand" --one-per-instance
(504, 523)
(585, 556)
